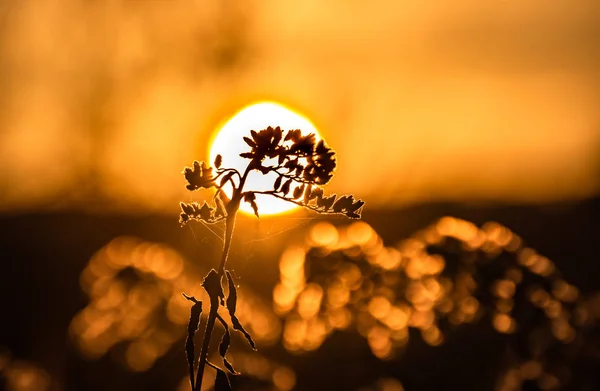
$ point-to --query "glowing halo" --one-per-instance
(229, 144)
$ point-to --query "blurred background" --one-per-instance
(483, 111)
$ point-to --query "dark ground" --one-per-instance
(43, 254)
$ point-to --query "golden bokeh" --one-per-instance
(383, 291)
(135, 301)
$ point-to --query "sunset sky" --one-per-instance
(103, 104)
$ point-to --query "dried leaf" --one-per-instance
(186, 208)
(198, 176)
(238, 326)
(218, 161)
(251, 199)
(247, 155)
(326, 202)
(342, 203)
(195, 211)
(224, 346)
(212, 286)
(231, 302)
(206, 212)
(193, 325)
(231, 306)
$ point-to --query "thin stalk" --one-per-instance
(232, 209)
(214, 303)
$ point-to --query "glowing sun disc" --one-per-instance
(229, 144)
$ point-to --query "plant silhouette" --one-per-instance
(303, 166)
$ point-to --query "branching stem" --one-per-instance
(232, 209)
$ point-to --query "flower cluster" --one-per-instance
(303, 165)
(302, 156)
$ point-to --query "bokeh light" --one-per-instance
(135, 301)
(446, 275)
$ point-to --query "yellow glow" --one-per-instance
(229, 144)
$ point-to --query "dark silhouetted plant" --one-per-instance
(302, 166)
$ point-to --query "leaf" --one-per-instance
(206, 212)
(249, 141)
(221, 381)
(231, 306)
(224, 346)
(231, 302)
(326, 202)
(352, 213)
(277, 134)
(286, 187)
(277, 183)
(186, 208)
(193, 325)
(251, 199)
(247, 155)
(357, 205)
(342, 203)
(218, 161)
(212, 286)
(198, 176)
(293, 135)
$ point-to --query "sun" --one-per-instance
(229, 144)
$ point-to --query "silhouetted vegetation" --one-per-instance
(303, 165)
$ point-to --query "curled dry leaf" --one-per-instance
(212, 286)
(224, 346)
(251, 199)
(231, 307)
(193, 325)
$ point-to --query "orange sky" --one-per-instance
(428, 101)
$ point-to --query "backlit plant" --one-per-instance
(302, 166)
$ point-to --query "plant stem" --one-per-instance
(232, 209)
(214, 304)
